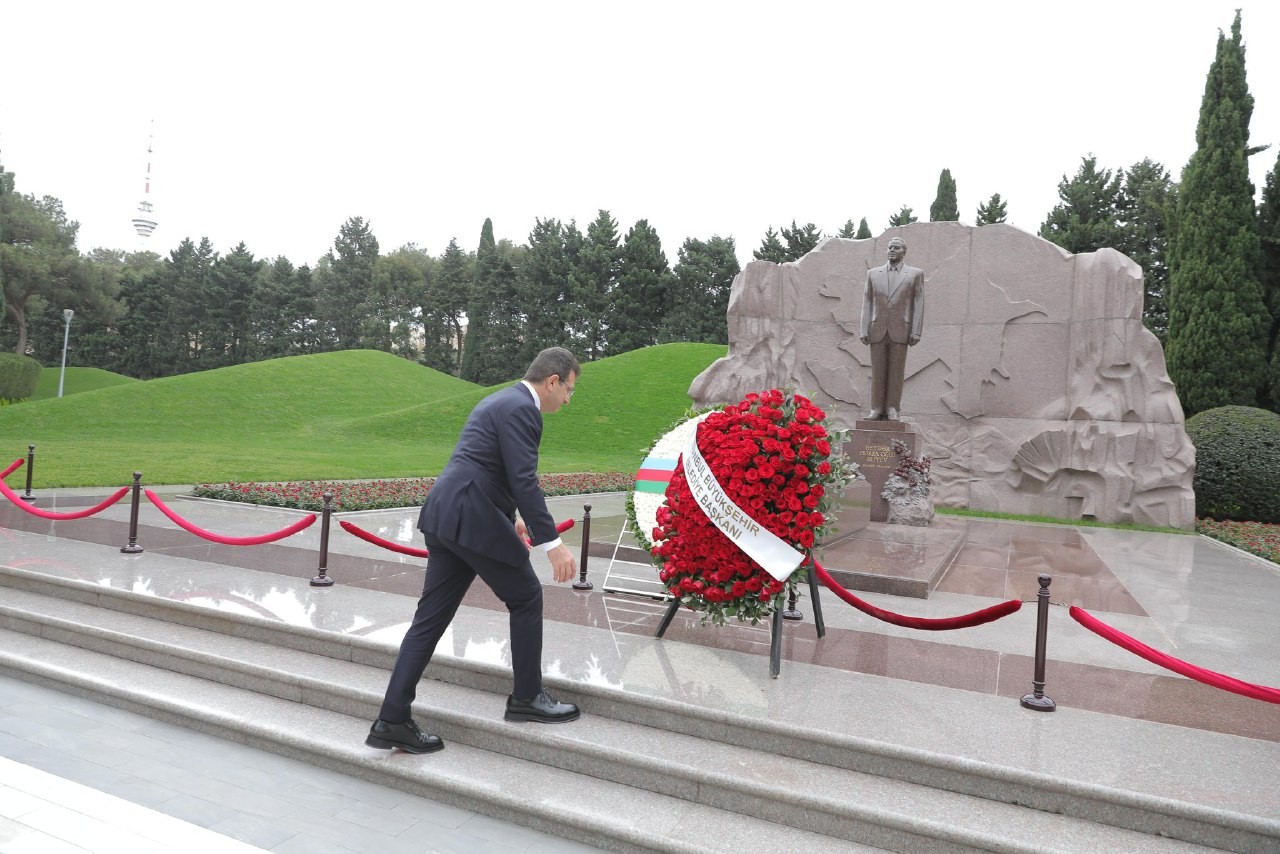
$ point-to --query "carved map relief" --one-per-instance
(1035, 386)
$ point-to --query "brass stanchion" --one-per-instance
(133, 548)
(322, 579)
(1036, 700)
(582, 583)
(31, 464)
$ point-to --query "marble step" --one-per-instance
(572, 806)
(666, 757)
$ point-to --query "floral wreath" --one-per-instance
(774, 457)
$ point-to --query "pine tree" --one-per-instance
(902, 217)
(232, 280)
(800, 240)
(1149, 198)
(771, 248)
(450, 295)
(864, 231)
(699, 299)
(6, 198)
(945, 208)
(1087, 216)
(545, 281)
(644, 285)
(1218, 321)
(992, 211)
(344, 299)
(848, 230)
(594, 283)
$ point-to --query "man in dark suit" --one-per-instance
(892, 317)
(471, 527)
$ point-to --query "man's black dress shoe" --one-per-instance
(544, 709)
(405, 736)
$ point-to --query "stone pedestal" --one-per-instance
(853, 514)
(869, 446)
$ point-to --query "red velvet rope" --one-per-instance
(379, 541)
(230, 541)
(977, 618)
(48, 514)
(1191, 671)
(13, 466)
(409, 550)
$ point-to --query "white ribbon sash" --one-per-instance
(778, 557)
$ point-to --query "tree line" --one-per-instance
(1210, 256)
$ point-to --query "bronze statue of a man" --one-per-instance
(892, 317)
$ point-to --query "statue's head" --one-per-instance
(897, 250)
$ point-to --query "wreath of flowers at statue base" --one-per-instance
(775, 458)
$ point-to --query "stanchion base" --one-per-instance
(792, 615)
(322, 581)
(583, 585)
(1038, 704)
(132, 549)
(30, 499)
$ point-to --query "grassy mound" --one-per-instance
(340, 416)
(77, 380)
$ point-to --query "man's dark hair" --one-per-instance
(553, 360)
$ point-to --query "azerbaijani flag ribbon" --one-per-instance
(654, 475)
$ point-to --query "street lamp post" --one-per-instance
(66, 336)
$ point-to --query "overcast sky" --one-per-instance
(274, 121)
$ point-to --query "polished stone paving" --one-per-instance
(1188, 596)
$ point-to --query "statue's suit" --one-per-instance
(892, 318)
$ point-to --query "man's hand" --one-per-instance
(563, 566)
(913, 340)
(522, 531)
(863, 339)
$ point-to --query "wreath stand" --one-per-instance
(775, 642)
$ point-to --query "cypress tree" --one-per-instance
(945, 208)
(1217, 319)
(1269, 273)
(864, 231)
(490, 352)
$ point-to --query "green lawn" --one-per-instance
(354, 414)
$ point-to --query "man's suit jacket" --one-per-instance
(493, 472)
(893, 304)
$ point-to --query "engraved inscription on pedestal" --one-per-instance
(869, 445)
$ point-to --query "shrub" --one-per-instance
(18, 376)
(1237, 463)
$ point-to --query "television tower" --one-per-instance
(143, 221)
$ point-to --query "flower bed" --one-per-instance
(352, 495)
(1254, 537)
(773, 457)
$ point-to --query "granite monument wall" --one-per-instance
(1035, 387)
